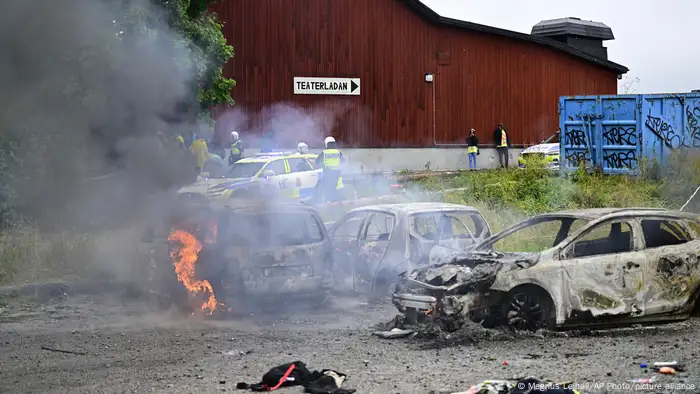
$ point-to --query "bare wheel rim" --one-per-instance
(525, 312)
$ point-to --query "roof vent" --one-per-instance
(586, 36)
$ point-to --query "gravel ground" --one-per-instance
(126, 349)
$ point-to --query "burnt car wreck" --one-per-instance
(233, 254)
(572, 269)
(374, 244)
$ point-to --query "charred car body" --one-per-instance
(597, 267)
(376, 243)
(240, 251)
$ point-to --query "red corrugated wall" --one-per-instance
(480, 79)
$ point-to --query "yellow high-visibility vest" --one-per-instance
(504, 139)
(235, 150)
(200, 151)
(331, 158)
(472, 149)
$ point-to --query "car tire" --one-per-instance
(164, 290)
(528, 308)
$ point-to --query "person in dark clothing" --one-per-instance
(500, 137)
(472, 148)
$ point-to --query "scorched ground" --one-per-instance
(123, 348)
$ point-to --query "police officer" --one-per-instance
(201, 152)
(330, 159)
(302, 148)
(236, 148)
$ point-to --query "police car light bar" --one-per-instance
(268, 154)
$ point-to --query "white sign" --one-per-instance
(341, 86)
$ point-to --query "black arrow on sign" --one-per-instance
(353, 86)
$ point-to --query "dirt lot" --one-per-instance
(127, 349)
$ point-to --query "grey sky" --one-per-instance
(652, 38)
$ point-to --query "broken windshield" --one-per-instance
(245, 170)
(445, 225)
(535, 235)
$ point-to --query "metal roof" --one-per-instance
(434, 17)
(573, 27)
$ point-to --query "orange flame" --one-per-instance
(184, 260)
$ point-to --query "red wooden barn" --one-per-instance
(481, 75)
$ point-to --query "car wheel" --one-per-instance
(528, 308)
(164, 290)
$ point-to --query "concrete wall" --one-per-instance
(417, 159)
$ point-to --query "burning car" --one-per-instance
(597, 267)
(233, 252)
(376, 243)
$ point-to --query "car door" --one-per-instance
(278, 181)
(672, 268)
(603, 273)
(373, 241)
(302, 176)
(345, 236)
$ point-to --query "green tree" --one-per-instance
(85, 94)
(192, 19)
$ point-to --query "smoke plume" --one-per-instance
(85, 88)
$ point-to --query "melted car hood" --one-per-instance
(475, 271)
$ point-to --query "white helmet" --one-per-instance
(302, 148)
(234, 136)
(328, 140)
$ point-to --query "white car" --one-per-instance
(547, 152)
(284, 173)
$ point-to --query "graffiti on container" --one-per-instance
(625, 159)
(574, 158)
(620, 136)
(693, 126)
(664, 131)
(671, 137)
(576, 137)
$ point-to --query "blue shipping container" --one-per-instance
(615, 132)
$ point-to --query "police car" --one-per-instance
(549, 153)
(285, 174)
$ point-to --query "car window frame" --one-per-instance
(320, 225)
(565, 251)
(681, 221)
(267, 165)
(291, 168)
(487, 244)
(361, 214)
(363, 232)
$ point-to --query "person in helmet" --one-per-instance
(302, 148)
(330, 159)
(236, 148)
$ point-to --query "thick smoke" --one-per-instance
(85, 88)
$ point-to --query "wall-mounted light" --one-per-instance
(619, 76)
(429, 77)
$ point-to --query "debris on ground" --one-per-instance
(528, 385)
(393, 333)
(296, 373)
(50, 349)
